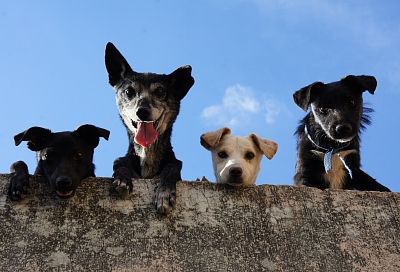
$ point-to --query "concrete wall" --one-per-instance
(265, 228)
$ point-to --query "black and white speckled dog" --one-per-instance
(148, 105)
(328, 144)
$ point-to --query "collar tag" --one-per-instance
(328, 160)
(328, 155)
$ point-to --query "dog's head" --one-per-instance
(338, 106)
(148, 103)
(236, 160)
(64, 158)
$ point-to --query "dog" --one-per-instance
(148, 105)
(328, 137)
(64, 158)
(236, 160)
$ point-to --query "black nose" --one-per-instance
(344, 130)
(143, 113)
(64, 182)
(235, 172)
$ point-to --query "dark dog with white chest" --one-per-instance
(64, 158)
(148, 105)
(328, 144)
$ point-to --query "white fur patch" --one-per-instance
(326, 130)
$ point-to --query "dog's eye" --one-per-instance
(78, 156)
(130, 92)
(49, 156)
(222, 155)
(160, 92)
(249, 155)
(323, 111)
(352, 102)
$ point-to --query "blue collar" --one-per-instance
(328, 153)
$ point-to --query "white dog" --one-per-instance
(236, 160)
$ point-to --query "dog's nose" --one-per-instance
(235, 172)
(343, 130)
(64, 182)
(143, 113)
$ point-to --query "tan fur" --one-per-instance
(336, 176)
(236, 148)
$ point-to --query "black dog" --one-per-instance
(329, 136)
(148, 105)
(64, 158)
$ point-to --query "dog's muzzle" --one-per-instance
(344, 131)
(235, 176)
(64, 187)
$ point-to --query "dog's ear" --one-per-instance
(91, 134)
(38, 138)
(303, 96)
(363, 83)
(116, 64)
(267, 147)
(181, 81)
(211, 139)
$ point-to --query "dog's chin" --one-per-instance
(65, 193)
(235, 182)
(343, 140)
(338, 138)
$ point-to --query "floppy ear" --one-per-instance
(302, 97)
(182, 81)
(38, 138)
(116, 64)
(267, 147)
(211, 139)
(91, 134)
(365, 83)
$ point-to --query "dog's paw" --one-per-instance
(123, 187)
(18, 186)
(165, 199)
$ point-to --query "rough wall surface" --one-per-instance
(213, 228)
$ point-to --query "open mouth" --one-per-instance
(146, 133)
(65, 194)
(135, 123)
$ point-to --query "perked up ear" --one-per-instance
(364, 83)
(182, 81)
(211, 139)
(91, 134)
(38, 138)
(116, 64)
(267, 147)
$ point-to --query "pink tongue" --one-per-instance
(145, 134)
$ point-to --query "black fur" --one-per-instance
(148, 98)
(335, 121)
(64, 158)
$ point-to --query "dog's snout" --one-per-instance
(64, 182)
(143, 113)
(235, 171)
(344, 130)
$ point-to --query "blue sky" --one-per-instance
(248, 57)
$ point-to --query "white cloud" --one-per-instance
(240, 106)
(273, 109)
